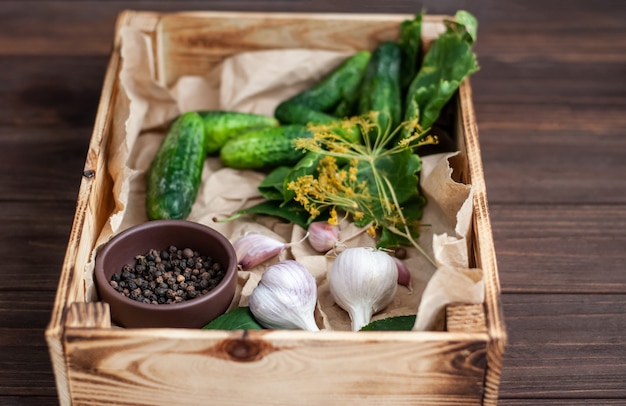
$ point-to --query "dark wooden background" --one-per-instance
(550, 102)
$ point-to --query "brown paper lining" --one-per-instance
(256, 82)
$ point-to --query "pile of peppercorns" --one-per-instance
(168, 276)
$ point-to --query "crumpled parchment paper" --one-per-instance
(256, 82)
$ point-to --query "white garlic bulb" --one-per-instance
(285, 297)
(363, 281)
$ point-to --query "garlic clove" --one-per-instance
(323, 236)
(363, 281)
(404, 275)
(254, 248)
(285, 297)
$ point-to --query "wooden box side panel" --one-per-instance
(93, 207)
(95, 202)
(482, 246)
(194, 43)
(88, 220)
(160, 367)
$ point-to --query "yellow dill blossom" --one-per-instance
(371, 231)
(306, 143)
(333, 217)
(364, 179)
(331, 188)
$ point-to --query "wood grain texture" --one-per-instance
(24, 364)
(105, 368)
(78, 354)
(35, 266)
(559, 167)
(25, 369)
(195, 43)
(88, 315)
(481, 244)
(560, 146)
(29, 400)
(87, 27)
(560, 401)
(465, 318)
(566, 248)
(25, 309)
(45, 91)
(549, 103)
(42, 164)
(565, 346)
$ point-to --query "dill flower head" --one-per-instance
(353, 176)
(375, 181)
(332, 188)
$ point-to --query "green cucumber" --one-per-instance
(410, 41)
(175, 173)
(220, 126)
(340, 84)
(264, 148)
(302, 114)
(380, 90)
(307, 115)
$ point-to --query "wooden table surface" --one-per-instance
(550, 101)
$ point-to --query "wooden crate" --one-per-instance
(96, 363)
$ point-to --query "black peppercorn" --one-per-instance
(168, 276)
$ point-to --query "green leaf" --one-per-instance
(447, 63)
(291, 211)
(400, 169)
(470, 23)
(397, 323)
(413, 210)
(305, 166)
(240, 318)
(390, 240)
(271, 187)
(410, 41)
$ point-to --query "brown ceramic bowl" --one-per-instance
(160, 234)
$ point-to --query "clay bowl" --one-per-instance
(160, 234)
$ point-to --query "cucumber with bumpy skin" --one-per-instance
(265, 148)
(220, 126)
(175, 173)
(340, 85)
(410, 42)
(380, 90)
(303, 114)
(308, 115)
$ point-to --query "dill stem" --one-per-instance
(414, 243)
(384, 139)
(373, 148)
(407, 232)
(227, 219)
(382, 191)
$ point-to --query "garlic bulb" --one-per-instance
(254, 248)
(363, 281)
(323, 236)
(285, 297)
